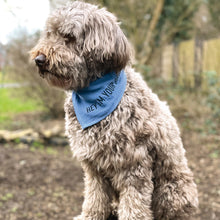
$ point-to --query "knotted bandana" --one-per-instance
(95, 102)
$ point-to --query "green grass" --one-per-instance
(12, 104)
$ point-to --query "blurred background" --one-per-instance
(177, 49)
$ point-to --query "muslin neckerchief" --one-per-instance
(95, 102)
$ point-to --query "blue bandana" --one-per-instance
(94, 103)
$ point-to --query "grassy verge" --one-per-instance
(12, 104)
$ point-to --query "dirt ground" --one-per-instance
(48, 184)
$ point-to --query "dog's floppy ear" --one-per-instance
(104, 41)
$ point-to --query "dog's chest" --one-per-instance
(107, 151)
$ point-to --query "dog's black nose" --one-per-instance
(40, 60)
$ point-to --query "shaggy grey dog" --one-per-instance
(133, 159)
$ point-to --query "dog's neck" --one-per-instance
(95, 102)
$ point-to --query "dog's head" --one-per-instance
(79, 44)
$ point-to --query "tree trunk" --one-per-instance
(156, 15)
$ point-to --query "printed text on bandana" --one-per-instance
(108, 91)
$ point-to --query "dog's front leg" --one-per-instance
(96, 205)
(135, 196)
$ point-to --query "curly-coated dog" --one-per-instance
(126, 139)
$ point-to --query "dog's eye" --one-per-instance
(48, 34)
(69, 39)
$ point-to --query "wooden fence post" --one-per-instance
(198, 62)
(175, 63)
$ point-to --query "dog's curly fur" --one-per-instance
(134, 158)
